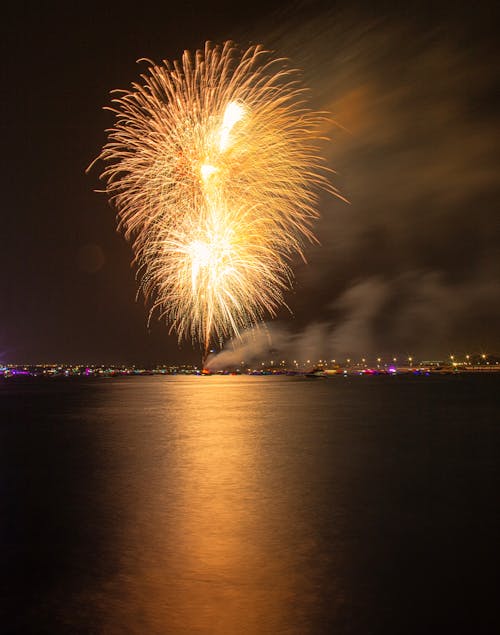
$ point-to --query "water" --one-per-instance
(249, 505)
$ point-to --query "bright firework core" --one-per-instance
(214, 169)
(214, 257)
(233, 113)
(200, 253)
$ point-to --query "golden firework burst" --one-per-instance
(214, 168)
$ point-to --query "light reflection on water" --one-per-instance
(158, 505)
(220, 541)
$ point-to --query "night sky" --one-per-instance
(411, 264)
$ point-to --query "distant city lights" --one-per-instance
(477, 362)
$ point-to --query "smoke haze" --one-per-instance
(412, 263)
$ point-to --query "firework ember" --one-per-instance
(213, 166)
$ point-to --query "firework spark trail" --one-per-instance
(214, 169)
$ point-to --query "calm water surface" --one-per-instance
(249, 505)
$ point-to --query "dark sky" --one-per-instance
(412, 264)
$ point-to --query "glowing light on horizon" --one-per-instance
(213, 166)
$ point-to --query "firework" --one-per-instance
(214, 169)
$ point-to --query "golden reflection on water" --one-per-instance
(160, 505)
(216, 541)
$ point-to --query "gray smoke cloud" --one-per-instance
(417, 310)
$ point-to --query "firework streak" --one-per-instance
(214, 169)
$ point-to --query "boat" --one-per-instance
(316, 373)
